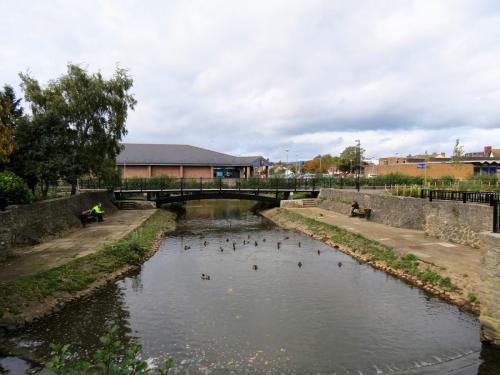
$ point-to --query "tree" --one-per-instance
(40, 150)
(94, 109)
(311, 166)
(350, 159)
(458, 152)
(10, 112)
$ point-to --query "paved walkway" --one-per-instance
(78, 242)
(455, 260)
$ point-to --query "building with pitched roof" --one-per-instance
(185, 161)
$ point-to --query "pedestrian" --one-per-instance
(97, 212)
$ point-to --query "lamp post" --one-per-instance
(358, 155)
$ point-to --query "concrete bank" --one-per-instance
(31, 224)
(325, 225)
(450, 221)
(100, 254)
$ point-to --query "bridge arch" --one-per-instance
(162, 199)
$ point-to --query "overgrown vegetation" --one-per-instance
(112, 358)
(78, 274)
(472, 297)
(13, 190)
(375, 250)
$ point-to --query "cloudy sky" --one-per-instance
(264, 76)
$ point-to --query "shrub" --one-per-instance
(472, 297)
(13, 189)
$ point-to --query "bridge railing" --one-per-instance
(253, 183)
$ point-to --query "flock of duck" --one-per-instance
(255, 267)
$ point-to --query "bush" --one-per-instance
(13, 189)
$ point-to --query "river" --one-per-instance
(331, 315)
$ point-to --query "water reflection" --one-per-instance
(277, 319)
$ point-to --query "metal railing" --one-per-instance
(485, 197)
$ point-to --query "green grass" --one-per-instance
(472, 297)
(78, 274)
(376, 250)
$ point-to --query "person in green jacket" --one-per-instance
(97, 212)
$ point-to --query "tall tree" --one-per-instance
(458, 152)
(40, 150)
(10, 112)
(351, 158)
(94, 109)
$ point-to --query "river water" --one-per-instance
(331, 315)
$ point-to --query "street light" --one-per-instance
(358, 155)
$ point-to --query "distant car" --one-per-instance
(371, 175)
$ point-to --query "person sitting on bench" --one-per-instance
(355, 211)
(97, 212)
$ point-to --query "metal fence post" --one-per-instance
(430, 195)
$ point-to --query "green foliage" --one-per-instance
(79, 273)
(10, 112)
(112, 357)
(94, 110)
(471, 297)
(458, 152)
(40, 150)
(13, 189)
(350, 158)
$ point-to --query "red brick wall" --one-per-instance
(433, 170)
(197, 172)
(165, 170)
(134, 171)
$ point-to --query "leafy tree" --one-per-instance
(41, 146)
(311, 165)
(94, 109)
(10, 112)
(458, 152)
(13, 190)
(350, 158)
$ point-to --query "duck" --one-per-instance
(227, 239)
(319, 252)
(339, 264)
(205, 277)
(299, 264)
(254, 267)
(234, 246)
(205, 243)
(263, 240)
(286, 238)
(300, 245)
(256, 244)
(221, 249)
(186, 247)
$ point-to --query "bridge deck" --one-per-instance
(215, 190)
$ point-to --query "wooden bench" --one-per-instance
(364, 212)
(86, 217)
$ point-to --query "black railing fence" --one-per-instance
(169, 183)
(486, 197)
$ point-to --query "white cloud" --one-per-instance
(264, 76)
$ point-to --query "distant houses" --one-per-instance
(150, 160)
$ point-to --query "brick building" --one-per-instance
(149, 160)
(438, 165)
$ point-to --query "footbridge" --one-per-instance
(169, 190)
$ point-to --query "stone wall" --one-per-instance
(490, 288)
(291, 203)
(451, 221)
(30, 224)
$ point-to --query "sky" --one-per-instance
(264, 76)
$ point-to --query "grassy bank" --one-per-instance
(31, 296)
(381, 256)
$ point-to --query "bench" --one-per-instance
(364, 212)
(86, 217)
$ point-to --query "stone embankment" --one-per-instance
(490, 288)
(33, 223)
(451, 221)
(32, 296)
